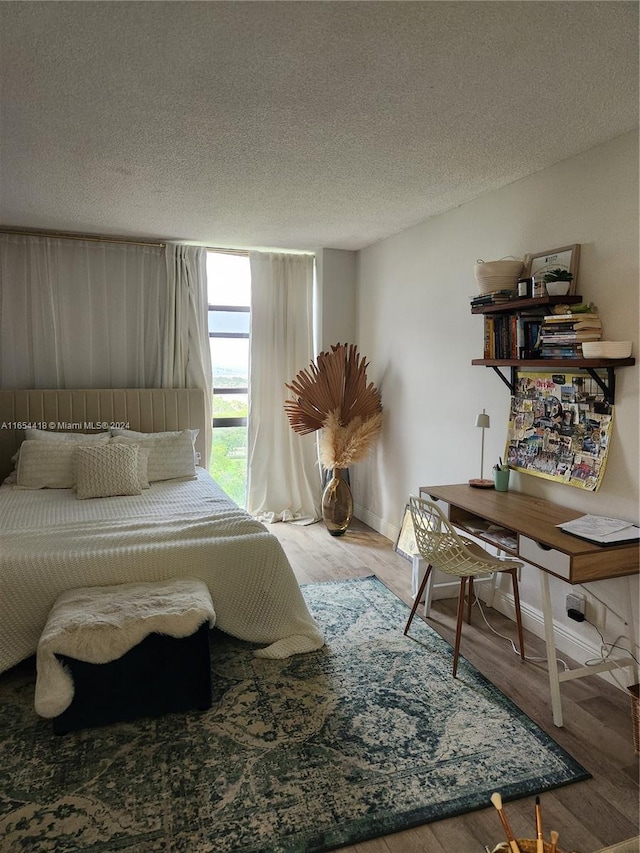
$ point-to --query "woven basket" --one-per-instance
(526, 845)
(497, 275)
(634, 692)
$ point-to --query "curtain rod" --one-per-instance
(242, 252)
(64, 235)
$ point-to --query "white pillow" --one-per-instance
(46, 464)
(143, 464)
(33, 434)
(170, 458)
(130, 433)
(106, 471)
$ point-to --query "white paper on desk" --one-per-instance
(594, 525)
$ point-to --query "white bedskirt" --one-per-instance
(51, 542)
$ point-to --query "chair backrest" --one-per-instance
(439, 543)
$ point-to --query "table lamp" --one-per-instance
(483, 421)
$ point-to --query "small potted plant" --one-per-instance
(557, 281)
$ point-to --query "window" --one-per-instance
(229, 294)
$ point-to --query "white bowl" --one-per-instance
(557, 288)
(606, 349)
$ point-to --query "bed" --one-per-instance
(52, 541)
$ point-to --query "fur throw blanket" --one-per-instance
(100, 624)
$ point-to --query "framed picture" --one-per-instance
(565, 258)
(406, 541)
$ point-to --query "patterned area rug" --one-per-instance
(365, 737)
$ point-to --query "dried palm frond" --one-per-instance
(335, 384)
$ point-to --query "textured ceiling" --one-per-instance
(296, 125)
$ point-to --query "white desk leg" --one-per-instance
(631, 631)
(428, 593)
(418, 568)
(550, 640)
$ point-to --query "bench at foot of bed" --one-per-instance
(113, 654)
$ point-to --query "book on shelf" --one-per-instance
(574, 324)
(493, 297)
(489, 337)
(558, 318)
(568, 338)
(511, 336)
(561, 352)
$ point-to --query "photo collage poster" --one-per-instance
(560, 428)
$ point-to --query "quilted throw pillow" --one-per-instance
(106, 470)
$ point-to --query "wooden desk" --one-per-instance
(527, 530)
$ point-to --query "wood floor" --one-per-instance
(597, 730)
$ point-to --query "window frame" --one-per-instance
(221, 391)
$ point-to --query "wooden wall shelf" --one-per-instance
(590, 365)
(542, 364)
(513, 306)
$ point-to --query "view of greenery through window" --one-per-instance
(229, 294)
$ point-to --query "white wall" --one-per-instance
(414, 325)
(335, 308)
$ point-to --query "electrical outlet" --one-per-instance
(576, 601)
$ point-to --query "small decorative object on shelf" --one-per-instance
(607, 349)
(541, 264)
(501, 275)
(525, 288)
(557, 281)
(333, 395)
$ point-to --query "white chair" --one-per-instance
(442, 547)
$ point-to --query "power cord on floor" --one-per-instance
(604, 646)
(510, 641)
(605, 653)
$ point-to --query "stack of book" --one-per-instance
(494, 297)
(562, 335)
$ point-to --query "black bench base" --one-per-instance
(160, 675)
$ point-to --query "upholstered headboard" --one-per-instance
(96, 409)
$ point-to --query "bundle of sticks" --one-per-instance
(523, 845)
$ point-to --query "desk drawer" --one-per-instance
(545, 557)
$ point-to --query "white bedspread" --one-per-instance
(51, 542)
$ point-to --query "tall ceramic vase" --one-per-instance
(337, 504)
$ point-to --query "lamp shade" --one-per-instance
(483, 420)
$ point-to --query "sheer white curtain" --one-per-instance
(186, 354)
(284, 482)
(91, 314)
(80, 314)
